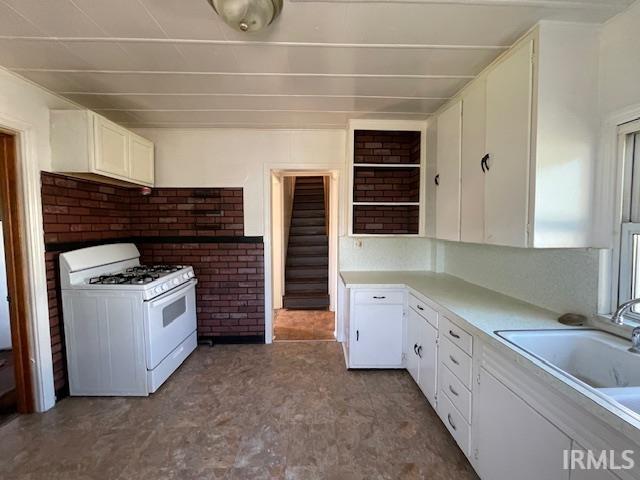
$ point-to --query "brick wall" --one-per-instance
(386, 220)
(386, 184)
(199, 227)
(378, 146)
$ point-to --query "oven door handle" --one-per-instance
(171, 295)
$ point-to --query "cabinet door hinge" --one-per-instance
(478, 379)
(476, 454)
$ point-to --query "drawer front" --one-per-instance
(458, 394)
(425, 311)
(388, 297)
(456, 335)
(455, 423)
(457, 361)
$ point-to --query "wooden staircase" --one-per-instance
(307, 265)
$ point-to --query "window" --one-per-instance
(629, 279)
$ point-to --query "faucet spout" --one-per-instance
(618, 316)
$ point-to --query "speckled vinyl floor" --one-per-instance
(287, 410)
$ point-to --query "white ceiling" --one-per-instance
(174, 63)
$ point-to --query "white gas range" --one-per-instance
(127, 327)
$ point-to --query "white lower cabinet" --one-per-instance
(422, 353)
(513, 440)
(376, 329)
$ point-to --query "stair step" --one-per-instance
(312, 197)
(300, 240)
(308, 250)
(306, 302)
(307, 230)
(301, 180)
(297, 206)
(307, 261)
(307, 222)
(306, 286)
(308, 213)
(307, 272)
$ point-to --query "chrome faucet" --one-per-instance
(618, 316)
(618, 319)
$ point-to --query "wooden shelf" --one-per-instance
(387, 165)
(386, 204)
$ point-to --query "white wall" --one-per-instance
(237, 158)
(24, 107)
(5, 327)
(620, 62)
(387, 253)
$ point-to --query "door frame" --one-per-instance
(336, 227)
(14, 262)
(28, 149)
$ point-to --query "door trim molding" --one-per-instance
(37, 307)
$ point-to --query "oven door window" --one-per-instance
(173, 311)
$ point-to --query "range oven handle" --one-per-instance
(171, 295)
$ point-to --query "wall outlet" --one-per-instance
(358, 243)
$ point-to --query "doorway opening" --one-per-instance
(302, 257)
(15, 374)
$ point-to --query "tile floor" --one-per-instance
(303, 325)
(287, 410)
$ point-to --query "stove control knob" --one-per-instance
(176, 281)
(165, 287)
(190, 274)
(185, 276)
(157, 290)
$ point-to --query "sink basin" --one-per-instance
(597, 359)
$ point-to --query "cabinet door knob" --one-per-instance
(415, 346)
(357, 335)
(420, 351)
(420, 308)
(454, 335)
(436, 179)
(456, 362)
(451, 389)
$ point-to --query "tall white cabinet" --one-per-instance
(528, 145)
(447, 179)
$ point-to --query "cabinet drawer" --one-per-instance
(457, 361)
(458, 394)
(456, 335)
(424, 310)
(389, 297)
(455, 423)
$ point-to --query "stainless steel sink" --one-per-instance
(596, 359)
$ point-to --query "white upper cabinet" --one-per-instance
(508, 136)
(141, 160)
(473, 168)
(532, 115)
(447, 180)
(111, 144)
(84, 143)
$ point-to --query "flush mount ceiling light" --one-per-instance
(247, 15)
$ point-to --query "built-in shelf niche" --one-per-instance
(387, 170)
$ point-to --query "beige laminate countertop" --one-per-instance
(486, 312)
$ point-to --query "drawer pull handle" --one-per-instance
(456, 362)
(453, 425)
(453, 334)
(420, 308)
(379, 298)
(357, 335)
(414, 349)
(420, 351)
(453, 391)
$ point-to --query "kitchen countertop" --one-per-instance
(485, 312)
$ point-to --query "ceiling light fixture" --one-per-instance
(247, 15)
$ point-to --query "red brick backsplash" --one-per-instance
(230, 293)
